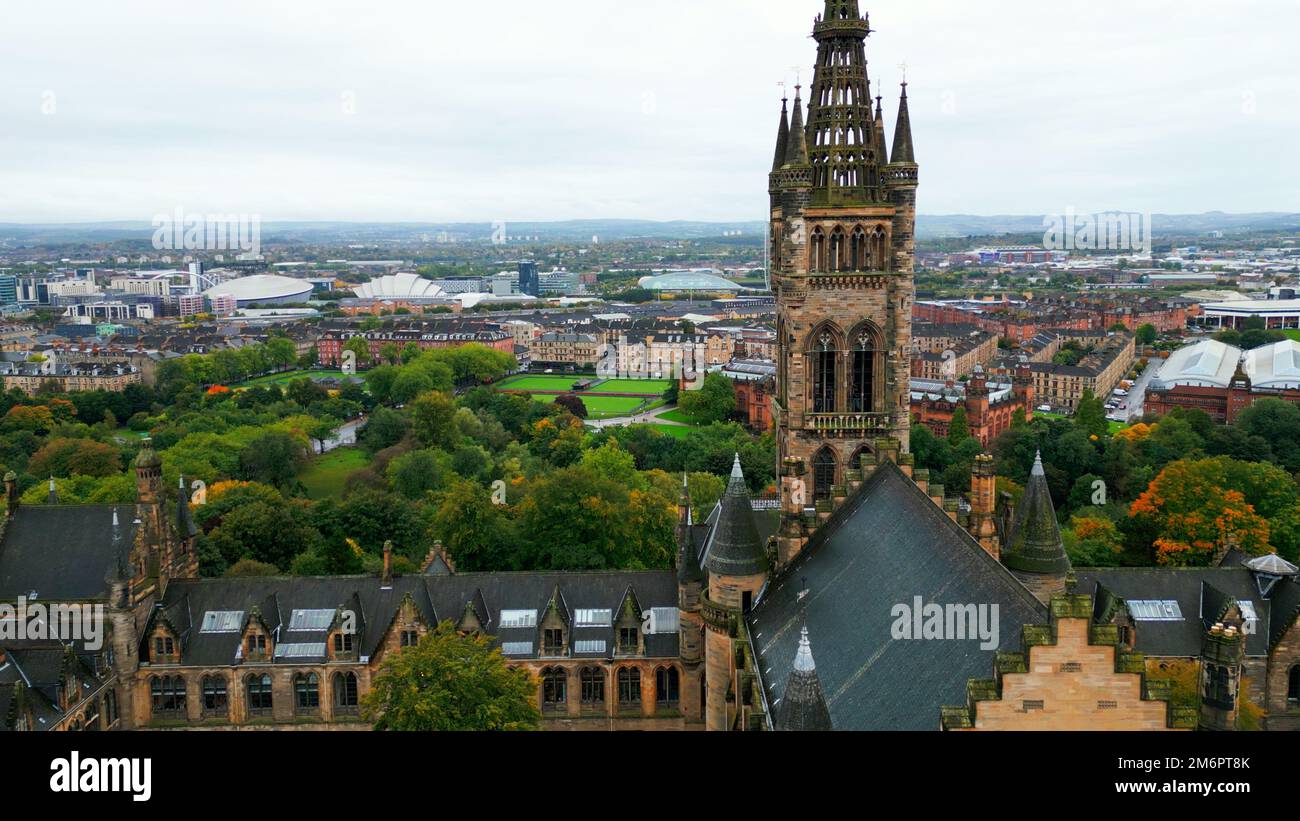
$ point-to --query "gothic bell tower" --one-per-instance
(842, 224)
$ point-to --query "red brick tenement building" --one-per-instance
(329, 347)
(990, 406)
(946, 352)
(755, 383)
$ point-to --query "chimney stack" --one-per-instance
(387, 579)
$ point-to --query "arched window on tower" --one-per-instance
(879, 256)
(866, 371)
(837, 248)
(858, 250)
(823, 474)
(824, 358)
(1293, 689)
(817, 251)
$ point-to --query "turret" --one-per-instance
(690, 623)
(983, 501)
(1222, 651)
(738, 569)
(803, 705)
(1034, 551)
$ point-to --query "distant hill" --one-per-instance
(929, 226)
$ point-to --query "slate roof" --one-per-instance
(889, 544)
(71, 567)
(735, 547)
(1035, 545)
(1203, 595)
(437, 597)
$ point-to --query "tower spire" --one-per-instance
(903, 152)
(782, 137)
(797, 143)
(878, 140)
(803, 705)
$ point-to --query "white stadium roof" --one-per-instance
(262, 288)
(399, 286)
(1212, 364)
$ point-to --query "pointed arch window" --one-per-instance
(879, 257)
(306, 690)
(555, 688)
(629, 685)
(592, 682)
(859, 249)
(1293, 688)
(824, 469)
(824, 362)
(837, 259)
(345, 693)
(817, 251)
(667, 686)
(259, 695)
(866, 370)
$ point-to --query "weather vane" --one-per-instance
(903, 67)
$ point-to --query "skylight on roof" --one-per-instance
(300, 651)
(518, 618)
(1248, 613)
(589, 646)
(517, 648)
(663, 620)
(306, 620)
(222, 621)
(593, 618)
(1155, 610)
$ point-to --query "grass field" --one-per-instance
(675, 431)
(678, 416)
(654, 387)
(1293, 334)
(539, 383)
(287, 377)
(325, 476)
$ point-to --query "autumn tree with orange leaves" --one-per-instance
(1195, 508)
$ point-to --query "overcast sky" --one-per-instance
(438, 110)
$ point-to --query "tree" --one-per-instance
(383, 429)
(432, 419)
(1090, 416)
(573, 404)
(1197, 507)
(715, 401)
(359, 346)
(450, 682)
(958, 427)
(272, 458)
(69, 457)
(416, 473)
(1146, 334)
(1277, 423)
(475, 530)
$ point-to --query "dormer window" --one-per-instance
(163, 647)
(629, 640)
(256, 645)
(342, 643)
(553, 642)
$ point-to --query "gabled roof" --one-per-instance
(888, 545)
(72, 567)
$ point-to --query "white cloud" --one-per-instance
(583, 108)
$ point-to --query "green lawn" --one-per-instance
(655, 387)
(325, 476)
(287, 377)
(1293, 334)
(678, 416)
(675, 431)
(540, 383)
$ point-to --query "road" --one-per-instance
(1135, 404)
(346, 434)
(651, 418)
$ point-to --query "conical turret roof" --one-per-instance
(903, 151)
(803, 705)
(782, 138)
(735, 548)
(1035, 545)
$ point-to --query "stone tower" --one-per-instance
(842, 223)
(738, 569)
(691, 579)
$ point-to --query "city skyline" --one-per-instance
(569, 114)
